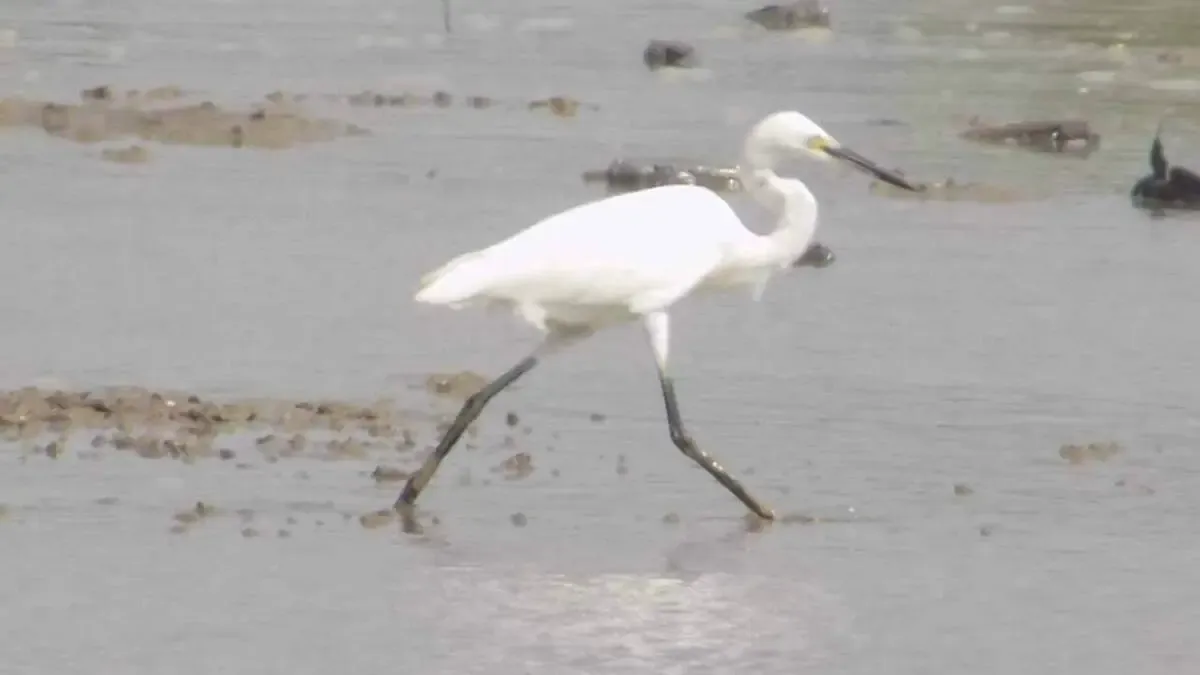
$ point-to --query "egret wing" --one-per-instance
(620, 250)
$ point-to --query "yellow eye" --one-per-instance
(817, 143)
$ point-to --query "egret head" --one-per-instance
(792, 133)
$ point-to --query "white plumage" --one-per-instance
(624, 255)
(630, 257)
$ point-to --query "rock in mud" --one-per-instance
(388, 474)
(459, 385)
(517, 466)
(560, 106)
(626, 176)
(818, 255)
(195, 514)
(1092, 452)
(797, 15)
(1058, 136)
(669, 54)
(377, 519)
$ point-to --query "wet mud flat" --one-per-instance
(160, 116)
(172, 115)
(385, 443)
(388, 441)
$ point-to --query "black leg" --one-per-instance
(683, 441)
(470, 410)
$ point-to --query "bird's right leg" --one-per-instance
(470, 411)
(657, 327)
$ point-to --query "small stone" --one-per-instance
(134, 154)
(668, 54)
(187, 517)
(388, 474)
(376, 518)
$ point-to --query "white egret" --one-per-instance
(629, 258)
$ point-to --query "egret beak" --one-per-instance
(831, 148)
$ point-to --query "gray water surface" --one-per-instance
(953, 342)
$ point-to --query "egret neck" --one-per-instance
(795, 209)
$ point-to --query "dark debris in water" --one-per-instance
(660, 54)
(950, 190)
(1055, 136)
(389, 474)
(559, 106)
(626, 176)
(192, 516)
(793, 16)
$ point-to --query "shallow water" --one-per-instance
(951, 342)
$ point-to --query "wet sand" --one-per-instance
(978, 425)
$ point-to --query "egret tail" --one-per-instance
(455, 282)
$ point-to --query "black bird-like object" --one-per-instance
(1167, 186)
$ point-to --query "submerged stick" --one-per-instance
(446, 15)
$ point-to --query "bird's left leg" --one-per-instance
(657, 328)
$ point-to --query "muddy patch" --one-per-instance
(1069, 136)
(103, 114)
(178, 425)
(558, 105)
(1079, 453)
